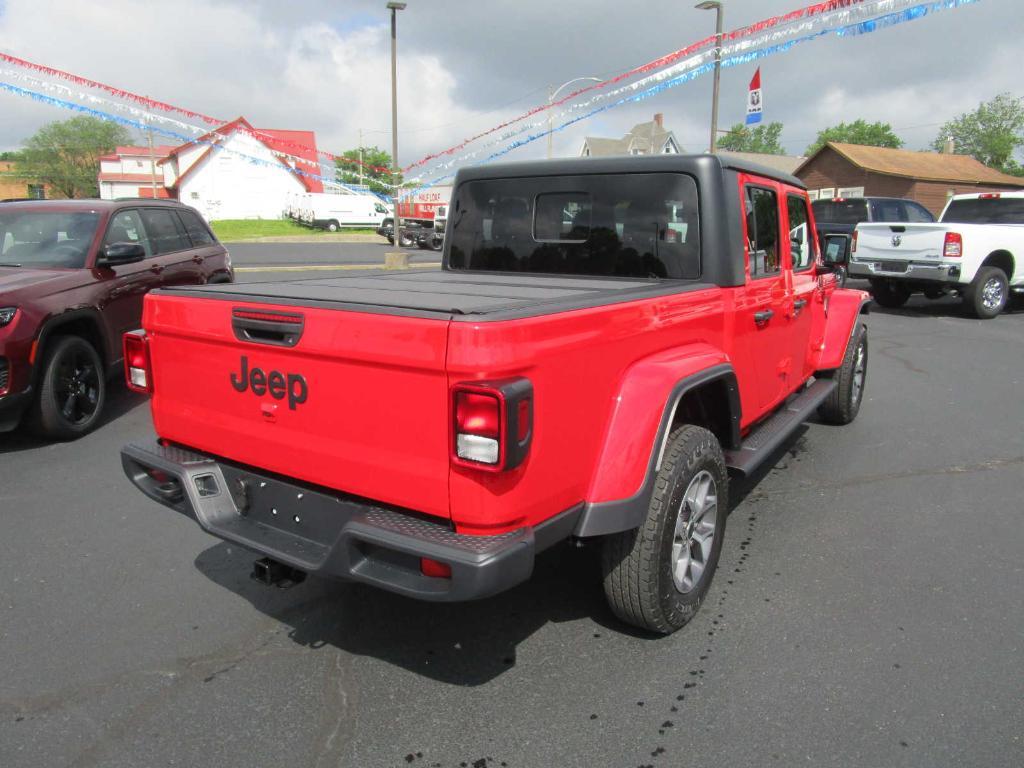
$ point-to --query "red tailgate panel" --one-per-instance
(374, 420)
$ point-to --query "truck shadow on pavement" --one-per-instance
(465, 644)
(120, 401)
(952, 307)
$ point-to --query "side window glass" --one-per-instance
(801, 244)
(763, 231)
(917, 213)
(127, 227)
(165, 233)
(197, 231)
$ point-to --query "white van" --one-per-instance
(332, 212)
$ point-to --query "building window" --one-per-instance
(37, 191)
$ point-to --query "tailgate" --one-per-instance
(905, 242)
(358, 403)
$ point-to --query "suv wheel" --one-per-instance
(889, 294)
(656, 577)
(843, 404)
(988, 293)
(72, 389)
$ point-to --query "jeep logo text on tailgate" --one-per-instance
(276, 383)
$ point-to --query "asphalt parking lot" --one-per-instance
(868, 609)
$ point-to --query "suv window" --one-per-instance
(763, 231)
(840, 211)
(196, 229)
(801, 244)
(981, 210)
(626, 225)
(126, 227)
(165, 232)
(888, 210)
(918, 213)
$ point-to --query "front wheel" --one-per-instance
(406, 241)
(72, 389)
(988, 293)
(843, 405)
(333, 226)
(656, 576)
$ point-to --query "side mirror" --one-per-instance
(115, 254)
(836, 247)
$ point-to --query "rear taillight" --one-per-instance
(492, 423)
(853, 245)
(953, 247)
(137, 370)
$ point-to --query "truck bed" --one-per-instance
(472, 296)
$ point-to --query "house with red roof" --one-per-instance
(235, 171)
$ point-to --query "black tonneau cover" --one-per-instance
(472, 296)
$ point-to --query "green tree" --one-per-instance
(858, 132)
(9, 156)
(764, 139)
(373, 159)
(66, 155)
(991, 134)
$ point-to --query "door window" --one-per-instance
(888, 210)
(801, 244)
(197, 231)
(165, 232)
(918, 213)
(763, 232)
(127, 227)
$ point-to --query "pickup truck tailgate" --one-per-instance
(903, 242)
(349, 400)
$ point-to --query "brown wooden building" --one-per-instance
(930, 178)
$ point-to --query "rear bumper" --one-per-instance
(317, 532)
(929, 271)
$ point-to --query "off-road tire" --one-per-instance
(888, 294)
(974, 297)
(637, 564)
(843, 405)
(47, 418)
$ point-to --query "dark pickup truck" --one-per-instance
(606, 341)
(840, 216)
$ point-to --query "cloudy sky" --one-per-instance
(467, 64)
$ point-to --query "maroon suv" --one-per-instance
(72, 277)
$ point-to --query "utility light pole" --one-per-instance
(394, 8)
(716, 6)
(551, 98)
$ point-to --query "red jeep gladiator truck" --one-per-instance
(607, 340)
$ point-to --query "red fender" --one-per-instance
(842, 311)
(640, 405)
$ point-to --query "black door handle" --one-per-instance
(156, 269)
(763, 316)
(799, 304)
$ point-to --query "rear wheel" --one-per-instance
(656, 577)
(889, 294)
(843, 404)
(333, 226)
(988, 293)
(72, 389)
(406, 241)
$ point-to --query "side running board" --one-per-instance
(773, 431)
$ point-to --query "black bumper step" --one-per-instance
(762, 441)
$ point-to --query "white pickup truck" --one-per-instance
(975, 250)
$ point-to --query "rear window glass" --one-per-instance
(624, 225)
(992, 210)
(840, 211)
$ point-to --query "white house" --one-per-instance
(232, 172)
(642, 139)
(130, 172)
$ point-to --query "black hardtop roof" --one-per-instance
(693, 164)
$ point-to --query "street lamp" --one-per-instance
(551, 98)
(716, 6)
(394, 8)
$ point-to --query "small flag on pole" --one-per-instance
(755, 103)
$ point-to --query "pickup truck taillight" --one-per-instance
(853, 244)
(492, 423)
(137, 371)
(953, 247)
